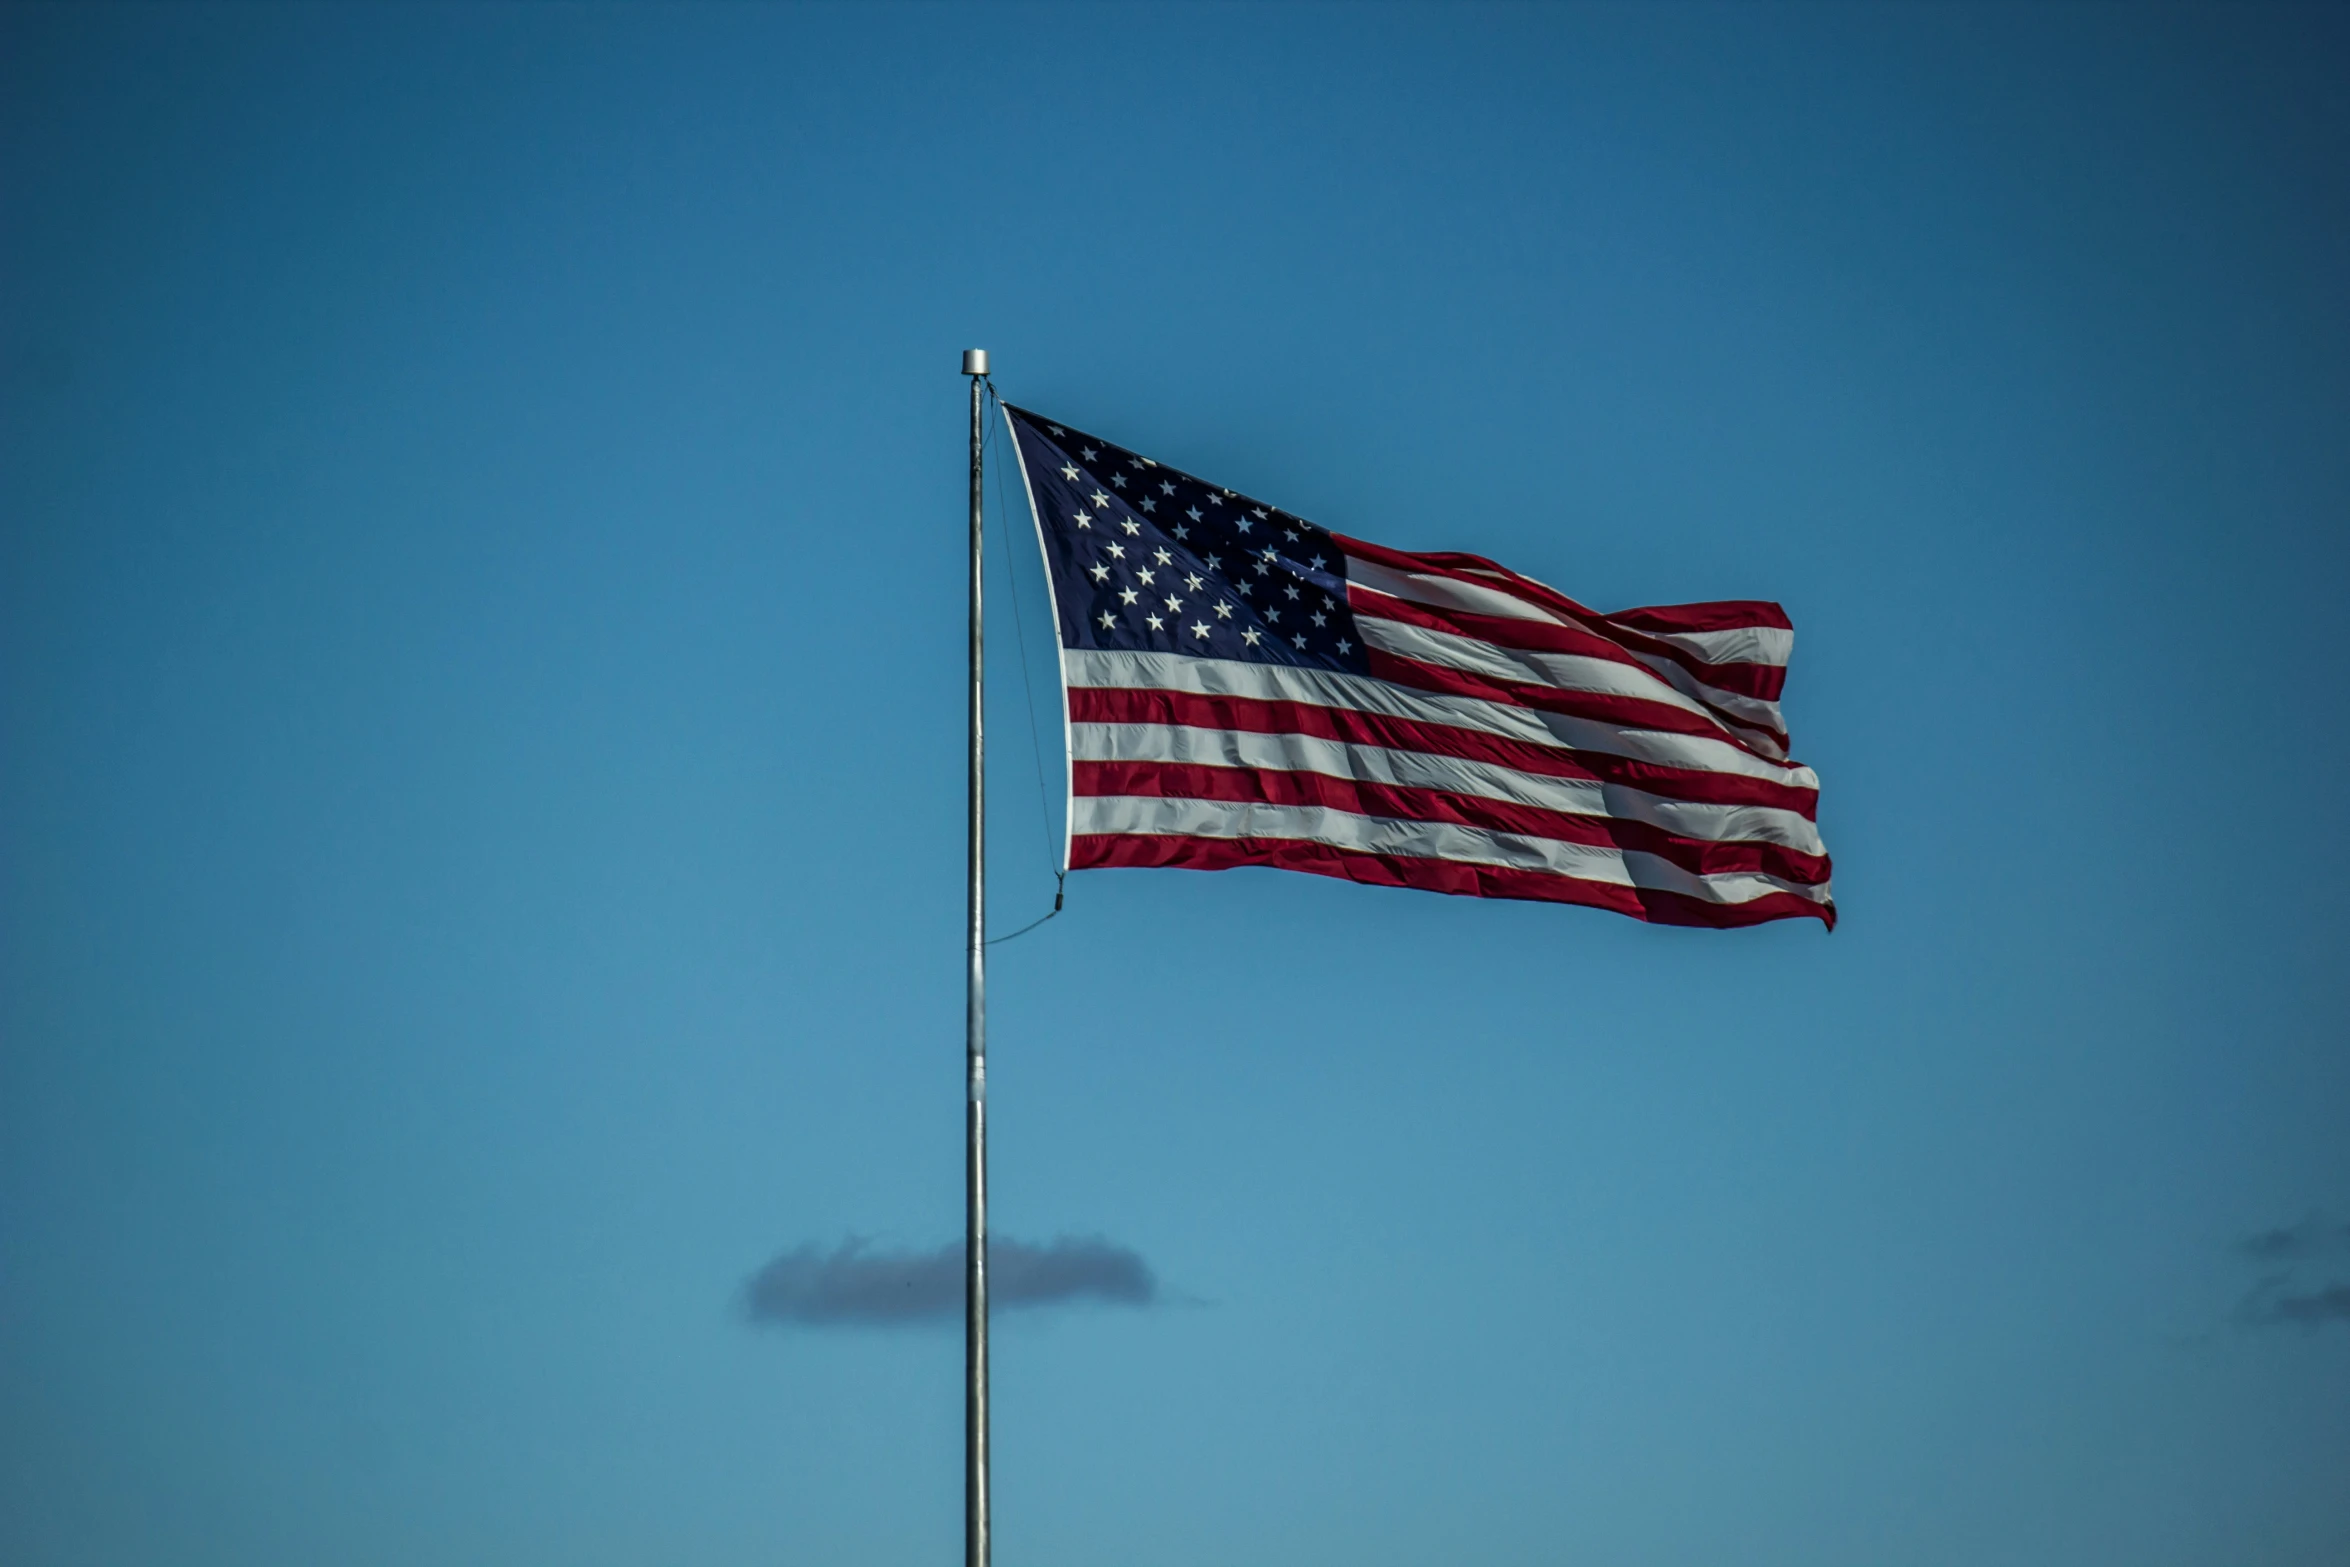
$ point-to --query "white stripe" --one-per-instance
(1444, 592)
(1331, 688)
(1737, 645)
(1188, 745)
(1156, 817)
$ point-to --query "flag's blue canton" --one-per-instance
(1148, 559)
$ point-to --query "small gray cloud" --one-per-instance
(2293, 1291)
(2295, 1242)
(2275, 1303)
(854, 1284)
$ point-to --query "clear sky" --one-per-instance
(481, 760)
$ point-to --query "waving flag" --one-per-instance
(1245, 688)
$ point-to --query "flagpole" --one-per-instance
(975, 1488)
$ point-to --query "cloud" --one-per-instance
(2295, 1242)
(2275, 1304)
(2287, 1296)
(854, 1285)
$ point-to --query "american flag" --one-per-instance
(1246, 688)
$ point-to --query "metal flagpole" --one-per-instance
(975, 1511)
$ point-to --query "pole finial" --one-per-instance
(975, 361)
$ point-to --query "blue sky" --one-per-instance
(480, 773)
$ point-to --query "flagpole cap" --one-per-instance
(975, 361)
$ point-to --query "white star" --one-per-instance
(1083, 521)
(1289, 590)
(1345, 646)
(1316, 563)
(1162, 557)
(1166, 488)
(1290, 534)
(1127, 596)
(1154, 622)
(1320, 619)
(1099, 499)
(1193, 513)
(1274, 616)
(1181, 531)
(1215, 500)
(1300, 641)
(1108, 620)
(1101, 573)
(1257, 512)
(1133, 462)
(1193, 581)
(1148, 504)
(1117, 550)
(1056, 429)
(1091, 454)
(1119, 480)
(1223, 610)
(1174, 605)
(1250, 635)
(1242, 586)
(1241, 523)
(1199, 628)
(1270, 553)
(1264, 566)
(1070, 474)
(1145, 575)
(1215, 562)
(1129, 524)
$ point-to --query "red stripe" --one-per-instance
(1131, 705)
(1448, 563)
(1727, 615)
(1364, 797)
(1095, 851)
